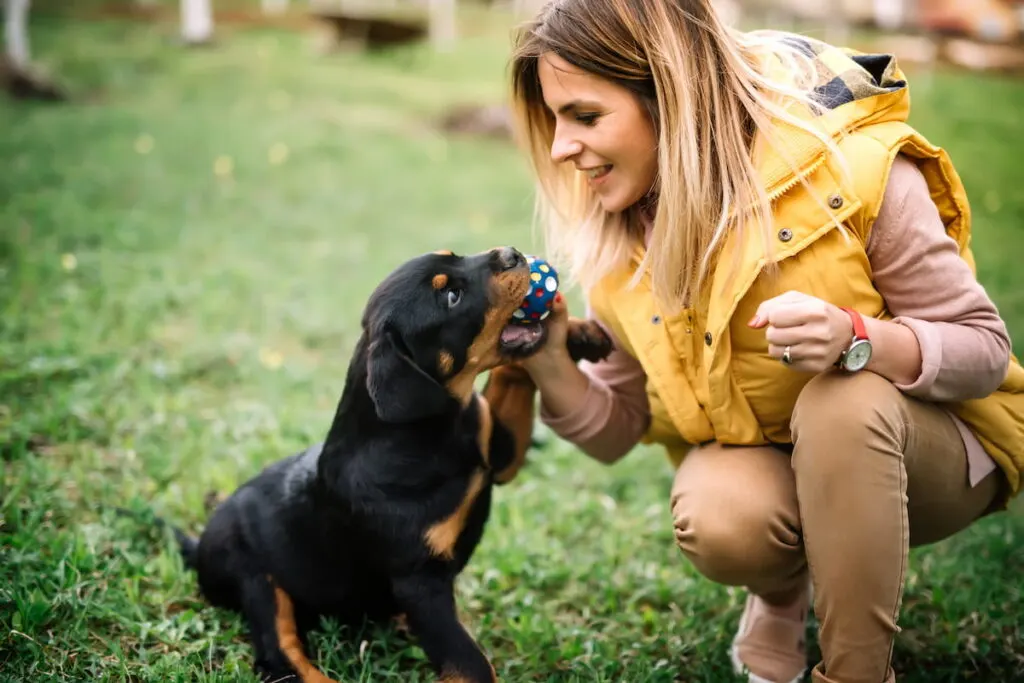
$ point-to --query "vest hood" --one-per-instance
(853, 89)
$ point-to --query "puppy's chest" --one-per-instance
(461, 510)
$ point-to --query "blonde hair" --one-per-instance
(706, 88)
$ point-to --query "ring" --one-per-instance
(787, 358)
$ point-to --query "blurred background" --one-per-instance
(196, 198)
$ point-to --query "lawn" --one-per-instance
(184, 254)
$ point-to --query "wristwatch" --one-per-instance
(858, 353)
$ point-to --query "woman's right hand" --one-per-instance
(561, 384)
(554, 354)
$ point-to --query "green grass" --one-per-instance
(166, 331)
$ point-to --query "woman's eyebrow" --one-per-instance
(578, 104)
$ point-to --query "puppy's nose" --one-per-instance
(510, 258)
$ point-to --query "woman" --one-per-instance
(784, 265)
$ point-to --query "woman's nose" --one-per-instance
(563, 148)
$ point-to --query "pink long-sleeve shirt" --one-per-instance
(965, 346)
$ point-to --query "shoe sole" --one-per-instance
(740, 668)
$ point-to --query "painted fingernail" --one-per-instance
(558, 298)
(753, 321)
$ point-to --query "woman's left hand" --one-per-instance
(815, 331)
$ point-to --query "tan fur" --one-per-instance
(400, 622)
(510, 395)
(452, 677)
(445, 361)
(508, 290)
(441, 537)
(440, 281)
(483, 437)
(288, 641)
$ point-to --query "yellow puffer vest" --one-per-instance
(709, 375)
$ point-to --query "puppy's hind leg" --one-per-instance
(278, 649)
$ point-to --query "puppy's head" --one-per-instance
(436, 322)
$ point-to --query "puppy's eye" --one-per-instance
(454, 297)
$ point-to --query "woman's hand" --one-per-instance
(815, 331)
(561, 384)
(554, 353)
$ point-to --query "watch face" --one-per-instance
(858, 355)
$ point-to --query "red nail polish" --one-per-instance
(558, 298)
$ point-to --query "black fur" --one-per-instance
(341, 527)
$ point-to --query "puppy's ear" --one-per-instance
(399, 389)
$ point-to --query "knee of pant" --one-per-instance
(733, 537)
(834, 407)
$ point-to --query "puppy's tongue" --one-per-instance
(518, 333)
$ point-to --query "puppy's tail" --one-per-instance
(187, 545)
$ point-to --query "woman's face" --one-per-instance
(602, 129)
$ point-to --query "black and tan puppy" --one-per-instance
(378, 520)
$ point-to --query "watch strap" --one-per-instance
(859, 330)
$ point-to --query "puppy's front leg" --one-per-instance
(509, 398)
(429, 605)
(510, 394)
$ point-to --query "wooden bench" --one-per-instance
(368, 25)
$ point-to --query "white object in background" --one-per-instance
(196, 21)
(274, 6)
(889, 14)
(16, 32)
(442, 23)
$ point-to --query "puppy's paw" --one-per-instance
(588, 341)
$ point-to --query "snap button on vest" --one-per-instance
(785, 234)
(707, 338)
(835, 201)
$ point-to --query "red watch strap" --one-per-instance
(859, 331)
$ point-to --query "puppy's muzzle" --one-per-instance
(509, 258)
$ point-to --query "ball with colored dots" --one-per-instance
(543, 287)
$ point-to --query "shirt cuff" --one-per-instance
(930, 342)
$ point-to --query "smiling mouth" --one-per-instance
(519, 341)
(598, 172)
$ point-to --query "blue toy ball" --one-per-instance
(544, 286)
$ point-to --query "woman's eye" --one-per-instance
(587, 119)
(454, 297)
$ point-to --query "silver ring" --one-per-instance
(787, 358)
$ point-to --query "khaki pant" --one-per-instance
(871, 473)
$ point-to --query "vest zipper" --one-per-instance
(792, 182)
